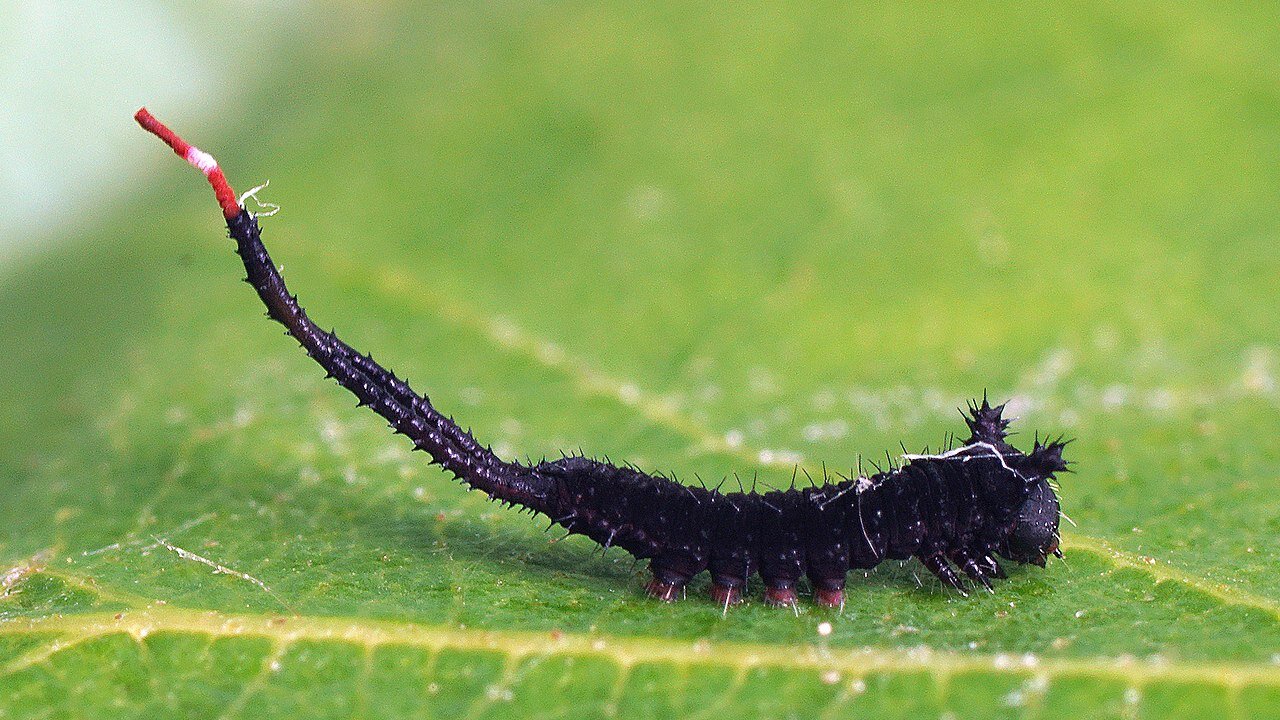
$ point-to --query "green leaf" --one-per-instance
(708, 243)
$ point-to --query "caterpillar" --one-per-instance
(954, 511)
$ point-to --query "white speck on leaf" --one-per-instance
(629, 394)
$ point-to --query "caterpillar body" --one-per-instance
(955, 511)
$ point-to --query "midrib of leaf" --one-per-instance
(74, 629)
(507, 336)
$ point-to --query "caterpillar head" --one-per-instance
(1033, 533)
(1033, 536)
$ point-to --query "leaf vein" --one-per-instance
(623, 652)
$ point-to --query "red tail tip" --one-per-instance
(201, 160)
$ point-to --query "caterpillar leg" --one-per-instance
(992, 567)
(730, 560)
(829, 593)
(782, 547)
(781, 593)
(726, 591)
(976, 573)
(937, 565)
(664, 589)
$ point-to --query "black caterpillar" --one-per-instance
(960, 508)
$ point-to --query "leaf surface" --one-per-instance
(723, 246)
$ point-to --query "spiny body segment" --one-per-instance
(955, 511)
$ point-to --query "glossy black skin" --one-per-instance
(963, 508)
(955, 510)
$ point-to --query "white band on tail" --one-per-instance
(202, 160)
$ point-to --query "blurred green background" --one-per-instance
(706, 239)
